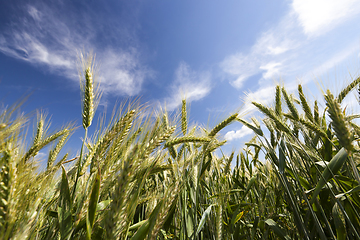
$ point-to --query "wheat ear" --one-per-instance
(183, 117)
(186, 139)
(271, 114)
(223, 124)
(278, 101)
(5, 181)
(304, 104)
(88, 107)
(89, 87)
(348, 89)
(53, 153)
(290, 104)
(338, 123)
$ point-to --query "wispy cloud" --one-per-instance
(188, 84)
(242, 132)
(122, 72)
(284, 51)
(268, 55)
(319, 16)
(271, 69)
(302, 45)
(52, 40)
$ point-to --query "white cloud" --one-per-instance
(41, 156)
(285, 49)
(276, 40)
(189, 84)
(272, 47)
(264, 95)
(27, 47)
(242, 132)
(336, 59)
(271, 70)
(277, 50)
(121, 72)
(52, 41)
(318, 16)
(34, 12)
(239, 66)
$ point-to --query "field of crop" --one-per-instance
(146, 176)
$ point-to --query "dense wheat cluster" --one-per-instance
(146, 176)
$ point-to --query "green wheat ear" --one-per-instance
(5, 181)
(40, 129)
(223, 124)
(278, 101)
(88, 107)
(89, 86)
(183, 117)
(290, 103)
(305, 104)
(338, 123)
(359, 92)
(348, 89)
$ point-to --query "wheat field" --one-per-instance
(144, 175)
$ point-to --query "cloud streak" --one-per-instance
(188, 84)
(279, 51)
(319, 16)
(306, 41)
(242, 132)
(46, 38)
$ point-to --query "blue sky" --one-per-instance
(220, 55)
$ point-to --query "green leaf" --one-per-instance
(64, 209)
(339, 223)
(277, 230)
(102, 205)
(147, 226)
(304, 183)
(88, 228)
(137, 225)
(333, 167)
(257, 130)
(238, 216)
(253, 230)
(251, 182)
(355, 189)
(282, 157)
(203, 219)
(203, 168)
(94, 198)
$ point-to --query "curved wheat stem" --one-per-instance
(255, 128)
